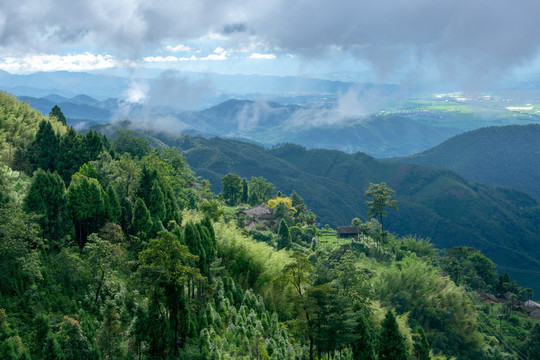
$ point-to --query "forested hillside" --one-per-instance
(115, 249)
(498, 155)
(434, 202)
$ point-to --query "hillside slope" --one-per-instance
(433, 202)
(506, 156)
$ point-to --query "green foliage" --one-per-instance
(381, 196)
(284, 235)
(43, 151)
(421, 345)
(110, 334)
(435, 302)
(141, 221)
(232, 189)
(85, 200)
(45, 198)
(126, 142)
(260, 189)
(391, 343)
(57, 113)
(363, 346)
(532, 346)
(212, 209)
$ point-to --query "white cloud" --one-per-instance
(219, 55)
(50, 62)
(179, 48)
(262, 56)
(160, 59)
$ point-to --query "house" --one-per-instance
(259, 213)
(348, 232)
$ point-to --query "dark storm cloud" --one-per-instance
(471, 37)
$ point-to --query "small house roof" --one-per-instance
(258, 211)
(348, 230)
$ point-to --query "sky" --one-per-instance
(465, 41)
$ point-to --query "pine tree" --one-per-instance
(284, 235)
(57, 113)
(109, 336)
(157, 202)
(71, 154)
(46, 198)
(363, 347)
(245, 191)
(421, 345)
(392, 346)
(141, 221)
(114, 211)
(43, 150)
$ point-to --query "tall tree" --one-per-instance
(85, 200)
(109, 335)
(392, 346)
(381, 196)
(166, 266)
(245, 191)
(141, 221)
(261, 188)
(363, 346)
(232, 189)
(46, 199)
(284, 241)
(44, 149)
(114, 210)
(57, 113)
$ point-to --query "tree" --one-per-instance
(44, 149)
(114, 210)
(166, 266)
(109, 335)
(421, 345)
(381, 196)
(157, 203)
(261, 189)
(125, 142)
(284, 235)
(363, 347)
(245, 191)
(85, 200)
(141, 221)
(46, 198)
(392, 346)
(57, 113)
(232, 189)
(532, 346)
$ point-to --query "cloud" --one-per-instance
(458, 39)
(51, 62)
(179, 48)
(262, 56)
(160, 59)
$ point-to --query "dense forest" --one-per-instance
(113, 248)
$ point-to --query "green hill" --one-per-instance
(433, 202)
(505, 156)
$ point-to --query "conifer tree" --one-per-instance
(363, 347)
(284, 235)
(44, 149)
(141, 221)
(114, 211)
(245, 191)
(46, 198)
(157, 202)
(109, 336)
(392, 346)
(71, 154)
(57, 113)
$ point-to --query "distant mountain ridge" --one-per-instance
(498, 155)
